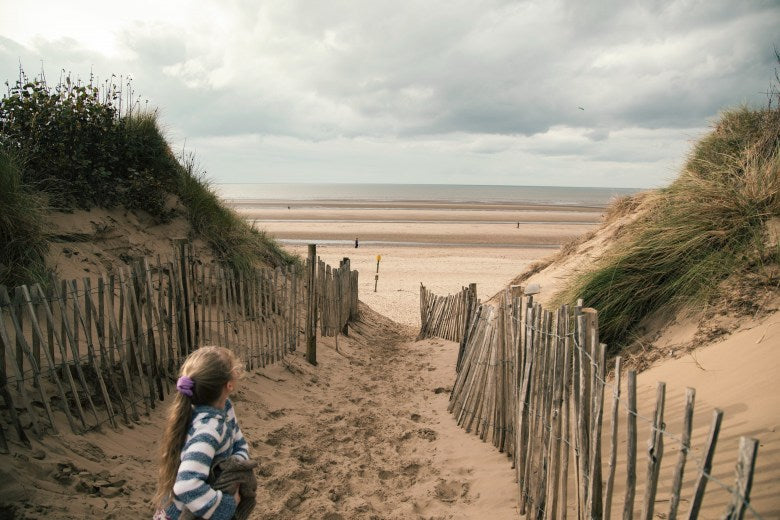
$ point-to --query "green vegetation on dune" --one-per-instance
(708, 225)
(23, 244)
(77, 149)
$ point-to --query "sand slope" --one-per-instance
(731, 358)
(737, 374)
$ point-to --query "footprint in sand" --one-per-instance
(427, 434)
(304, 454)
(451, 490)
(411, 470)
(385, 475)
(340, 492)
(285, 434)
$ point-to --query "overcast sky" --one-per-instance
(596, 93)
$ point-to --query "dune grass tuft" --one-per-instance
(708, 224)
(233, 240)
(22, 230)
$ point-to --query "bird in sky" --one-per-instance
(581, 108)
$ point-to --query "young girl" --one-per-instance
(200, 432)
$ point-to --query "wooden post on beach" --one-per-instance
(345, 269)
(188, 339)
(311, 307)
(613, 441)
(353, 308)
(655, 451)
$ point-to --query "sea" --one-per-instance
(453, 193)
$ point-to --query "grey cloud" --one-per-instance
(598, 134)
(413, 71)
(156, 45)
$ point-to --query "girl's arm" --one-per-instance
(240, 448)
(191, 487)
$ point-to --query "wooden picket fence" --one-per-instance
(338, 294)
(534, 382)
(446, 316)
(103, 351)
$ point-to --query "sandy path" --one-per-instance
(370, 437)
(363, 435)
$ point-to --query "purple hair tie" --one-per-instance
(185, 385)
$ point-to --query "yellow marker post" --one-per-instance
(376, 276)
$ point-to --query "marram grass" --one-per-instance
(233, 240)
(23, 243)
(707, 225)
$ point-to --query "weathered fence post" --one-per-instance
(7, 398)
(345, 270)
(655, 452)
(311, 307)
(188, 339)
(704, 471)
(613, 441)
(685, 445)
(628, 503)
(746, 463)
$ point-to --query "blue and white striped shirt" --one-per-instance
(213, 436)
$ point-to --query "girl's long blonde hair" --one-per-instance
(210, 368)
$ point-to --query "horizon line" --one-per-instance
(438, 184)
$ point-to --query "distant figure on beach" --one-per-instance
(518, 224)
(356, 242)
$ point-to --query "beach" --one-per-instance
(443, 245)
